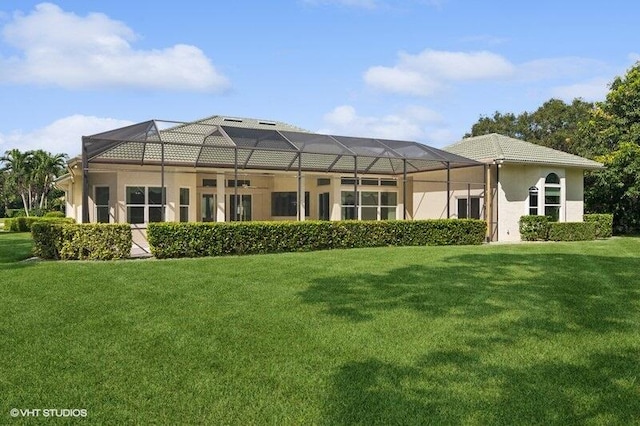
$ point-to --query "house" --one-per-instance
(523, 178)
(236, 169)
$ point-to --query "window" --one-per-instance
(102, 204)
(144, 204)
(533, 201)
(373, 205)
(231, 183)
(552, 197)
(367, 181)
(347, 181)
(286, 204)
(469, 211)
(184, 204)
(323, 181)
(209, 183)
(347, 203)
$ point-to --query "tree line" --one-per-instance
(26, 181)
(607, 131)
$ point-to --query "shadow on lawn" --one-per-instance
(542, 296)
(553, 292)
(456, 388)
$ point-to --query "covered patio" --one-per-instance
(240, 147)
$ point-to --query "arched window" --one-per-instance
(533, 201)
(552, 201)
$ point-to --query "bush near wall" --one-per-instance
(604, 224)
(23, 224)
(169, 240)
(572, 231)
(82, 241)
(534, 228)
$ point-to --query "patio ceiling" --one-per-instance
(251, 144)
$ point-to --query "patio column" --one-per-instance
(221, 202)
(404, 189)
(85, 183)
(300, 200)
(448, 190)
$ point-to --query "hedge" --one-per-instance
(604, 224)
(534, 228)
(82, 241)
(572, 231)
(168, 240)
(23, 224)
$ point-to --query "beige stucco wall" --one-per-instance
(429, 192)
(262, 185)
(513, 195)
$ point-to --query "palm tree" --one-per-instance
(45, 168)
(18, 168)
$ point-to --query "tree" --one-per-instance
(30, 175)
(554, 124)
(45, 168)
(18, 167)
(616, 120)
(616, 189)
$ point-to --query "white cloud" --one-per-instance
(592, 90)
(556, 68)
(63, 136)
(431, 70)
(412, 123)
(63, 49)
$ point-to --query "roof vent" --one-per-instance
(235, 120)
(266, 123)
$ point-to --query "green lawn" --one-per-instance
(502, 334)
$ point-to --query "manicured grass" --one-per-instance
(502, 334)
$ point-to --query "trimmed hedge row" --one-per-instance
(168, 240)
(540, 228)
(572, 231)
(604, 223)
(82, 241)
(23, 224)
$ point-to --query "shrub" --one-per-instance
(604, 224)
(47, 239)
(534, 228)
(216, 239)
(572, 231)
(23, 223)
(55, 213)
(82, 241)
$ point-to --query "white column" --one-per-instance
(220, 198)
(302, 208)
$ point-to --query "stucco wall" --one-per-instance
(513, 195)
(429, 199)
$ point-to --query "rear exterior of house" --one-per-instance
(222, 169)
(230, 169)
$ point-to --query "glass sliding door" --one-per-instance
(240, 207)
(323, 206)
(208, 208)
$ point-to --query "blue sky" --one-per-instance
(422, 70)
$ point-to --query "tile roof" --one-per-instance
(495, 147)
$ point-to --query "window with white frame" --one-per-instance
(373, 205)
(102, 204)
(533, 201)
(552, 196)
(144, 204)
